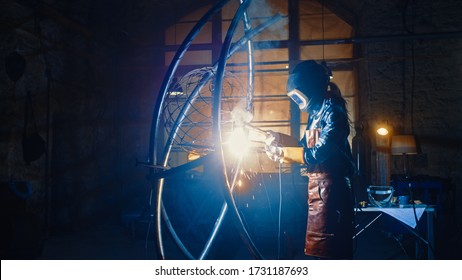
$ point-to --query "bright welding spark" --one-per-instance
(238, 142)
(241, 116)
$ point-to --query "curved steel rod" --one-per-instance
(219, 221)
(236, 46)
(249, 108)
(161, 99)
(216, 129)
(175, 237)
(213, 234)
(206, 78)
(152, 157)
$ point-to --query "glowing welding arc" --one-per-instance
(241, 116)
(238, 142)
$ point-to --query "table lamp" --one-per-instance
(403, 145)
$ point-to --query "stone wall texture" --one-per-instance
(415, 86)
(93, 93)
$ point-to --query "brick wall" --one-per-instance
(415, 84)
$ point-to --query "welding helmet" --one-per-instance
(308, 83)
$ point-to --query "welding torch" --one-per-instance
(257, 129)
(290, 151)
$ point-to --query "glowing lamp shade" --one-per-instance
(382, 131)
(403, 145)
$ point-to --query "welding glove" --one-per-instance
(285, 154)
(281, 147)
(272, 138)
(272, 149)
(293, 155)
(274, 152)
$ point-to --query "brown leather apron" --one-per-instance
(330, 215)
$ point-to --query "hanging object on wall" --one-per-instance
(15, 64)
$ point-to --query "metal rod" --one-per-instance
(250, 75)
(256, 129)
(152, 155)
(175, 237)
(171, 69)
(219, 221)
(216, 129)
(367, 225)
(168, 147)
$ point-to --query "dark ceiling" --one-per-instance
(136, 22)
(109, 21)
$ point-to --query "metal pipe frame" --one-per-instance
(152, 155)
(227, 51)
(216, 130)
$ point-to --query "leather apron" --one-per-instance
(329, 228)
(330, 211)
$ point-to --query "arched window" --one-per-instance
(316, 29)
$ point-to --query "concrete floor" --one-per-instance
(117, 242)
(126, 240)
(111, 241)
(105, 241)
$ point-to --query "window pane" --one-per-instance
(345, 80)
(191, 58)
(316, 23)
(176, 34)
(330, 51)
(270, 84)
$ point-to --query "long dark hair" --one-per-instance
(335, 95)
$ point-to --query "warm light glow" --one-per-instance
(241, 116)
(403, 145)
(175, 93)
(193, 156)
(238, 142)
(382, 131)
(176, 88)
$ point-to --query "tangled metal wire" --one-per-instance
(194, 133)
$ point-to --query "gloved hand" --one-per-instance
(272, 148)
(274, 152)
(272, 138)
(276, 149)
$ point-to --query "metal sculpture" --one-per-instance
(182, 119)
